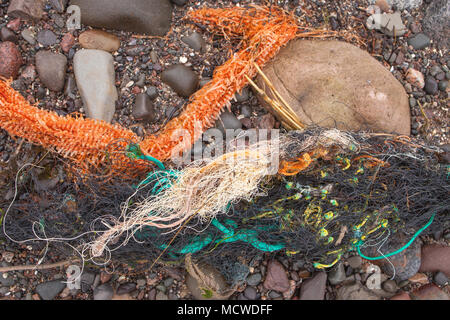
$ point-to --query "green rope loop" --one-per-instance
(399, 250)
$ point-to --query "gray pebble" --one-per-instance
(440, 278)
(195, 41)
(251, 293)
(168, 282)
(152, 92)
(443, 85)
(49, 290)
(337, 274)
(103, 292)
(254, 279)
(355, 262)
(431, 86)
(183, 80)
(419, 41)
(390, 286)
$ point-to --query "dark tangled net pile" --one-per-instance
(318, 214)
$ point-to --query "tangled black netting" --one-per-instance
(373, 189)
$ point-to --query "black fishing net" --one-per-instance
(377, 186)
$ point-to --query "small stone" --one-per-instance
(355, 262)
(183, 80)
(134, 50)
(401, 296)
(415, 78)
(412, 102)
(161, 296)
(383, 5)
(251, 293)
(431, 86)
(179, 2)
(10, 60)
(440, 279)
(390, 286)
(429, 292)
(389, 23)
(419, 41)
(103, 292)
(46, 38)
(67, 42)
(7, 256)
(242, 96)
(26, 9)
(6, 279)
(141, 283)
(314, 288)
(59, 5)
(143, 108)
(141, 80)
(29, 73)
(254, 279)
(419, 278)
(98, 39)
(228, 120)
(49, 290)
(152, 92)
(276, 278)
(435, 70)
(95, 76)
(28, 36)
(154, 56)
(51, 68)
(70, 86)
(436, 258)
(246, 111)
(125, 288)
(443, 85)
(7, 35)
(59, 21)
(355, 291)
(14, 25)
(195, 41)
(337, 274)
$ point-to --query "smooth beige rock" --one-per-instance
(335, 84)
(98, 39)
(95, 76)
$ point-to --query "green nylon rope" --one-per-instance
(399, 250)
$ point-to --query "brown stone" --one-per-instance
(14, 24)
(98, 39)
(435, 258)
(67, 42)
(26, 9)
(383, 5)
(335, 84)
(10, 60)
(415, 78)
(429, 292)
(419, 278)
(276, 277)
(401, 296)
(314, 288)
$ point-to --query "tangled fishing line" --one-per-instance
(328, 181)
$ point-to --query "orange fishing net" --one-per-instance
(263, 31)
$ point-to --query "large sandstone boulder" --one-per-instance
(335, 84)
(141, 16)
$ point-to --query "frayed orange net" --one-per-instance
(85, 141)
